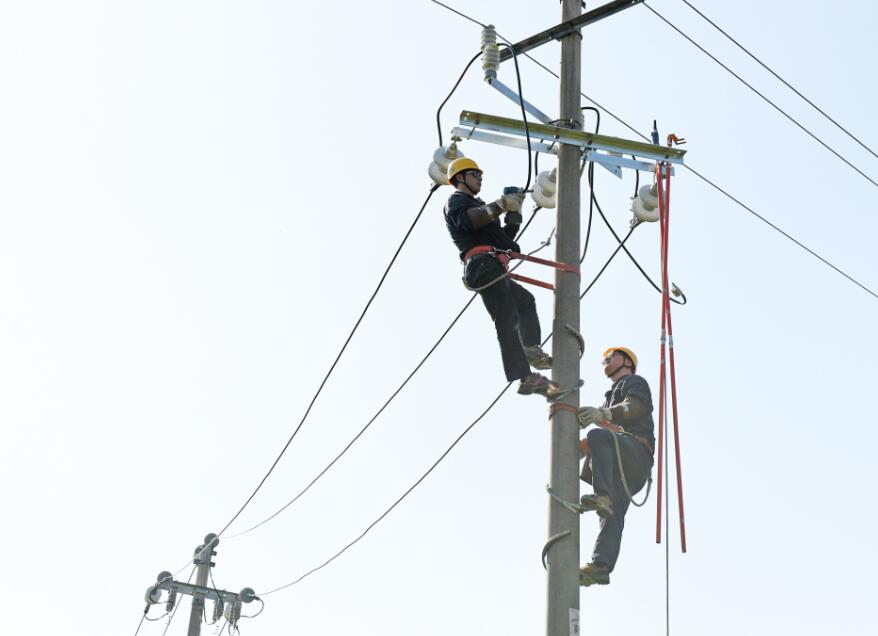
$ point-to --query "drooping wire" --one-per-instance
(523, 113)
(691, 169)
(368, 424)
(453, 88)
(591, 199)
(782, 80)
(768, 101)
(337, 358)
(779, 230)
(462, 15)
(429, 470)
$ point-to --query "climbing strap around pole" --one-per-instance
(504, 256)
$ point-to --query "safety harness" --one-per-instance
(504, 256)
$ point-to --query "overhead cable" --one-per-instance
(335, 362)
(782, 80)
(768, 101)
(703, 178)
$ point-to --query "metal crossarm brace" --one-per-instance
(585, 140)
(200, 590)
(566, 28)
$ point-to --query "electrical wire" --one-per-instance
(692, 170)
(782, 80)
(768, 101)
(453, 88)
(368, 424)
(523, 113)
(335, 362)
(423, 476)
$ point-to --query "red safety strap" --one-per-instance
(663, 178)
(503, 256)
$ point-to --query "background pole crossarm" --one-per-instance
(568, 26)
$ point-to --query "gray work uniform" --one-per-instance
(602, 466)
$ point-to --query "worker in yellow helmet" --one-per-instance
(627, 410)
(476, 231)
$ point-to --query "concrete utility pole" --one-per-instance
(562, 618)
(203, 554)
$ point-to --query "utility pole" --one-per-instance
(228, 603)
(562, 616)
(203, 554)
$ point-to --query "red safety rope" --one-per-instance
(663, 179)
(506, 255)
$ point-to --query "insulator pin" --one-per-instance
(645, 204)
(442, 156)
(544, 191)
(217, 609)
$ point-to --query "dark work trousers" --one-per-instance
(637, 462)
(512, 309)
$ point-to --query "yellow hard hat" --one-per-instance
(624, 350)
(459, 165)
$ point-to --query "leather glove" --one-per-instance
(511, 202)
(588, 415)
(514, 218)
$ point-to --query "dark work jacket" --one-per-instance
(634, 386)
(465, 236)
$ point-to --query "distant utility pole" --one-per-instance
(562, 616)
(200, 591)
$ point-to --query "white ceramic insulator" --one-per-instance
(490, 52)
(437, 174)
(542, 199)
(644, 211)
(443, 155)
(548, 181)
(649, 194)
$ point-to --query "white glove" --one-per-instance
(511, 202)
(588, 415)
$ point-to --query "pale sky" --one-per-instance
(196, 201)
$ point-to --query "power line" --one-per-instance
(703, 178)
(782, 80)
(768, 101)
(337, 358)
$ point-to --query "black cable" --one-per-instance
(337, 358)
(609, 260)
(380, 410)
(630, 255)
(398, 501)
(453, 88)
(523, 113)
(591, 199)
(777, 229)
(421, 478)
(462, 15)
(782, 80)
(768, 101)
(369, 423)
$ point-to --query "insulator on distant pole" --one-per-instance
(172, 600)
(645, 204)
(153, 595)
(233, 612)
(490, 52)
(442, 156)
(544, 190)
(217, 609)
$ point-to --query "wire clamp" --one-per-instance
(572, 507)
(563, 394)
(578, 335)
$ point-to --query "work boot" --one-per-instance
(537, 358)
(594, 574)
(599, 503)
(539, 384)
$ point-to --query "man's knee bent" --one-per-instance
(599, 437)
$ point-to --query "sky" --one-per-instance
(198, 198)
